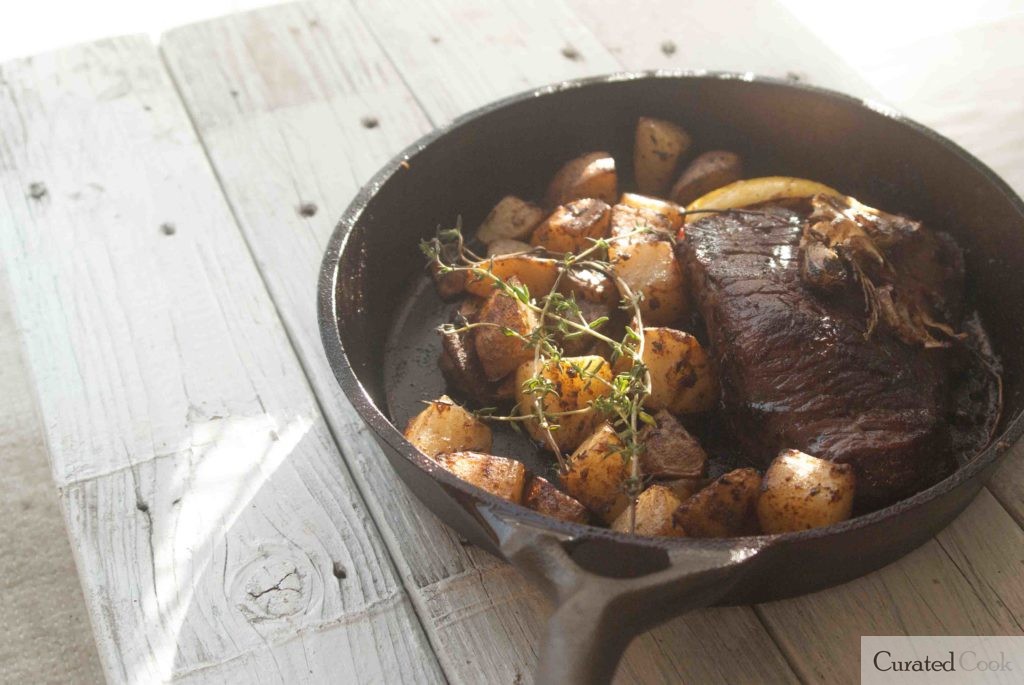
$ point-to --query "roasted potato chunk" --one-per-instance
(651, 268)
(545, 498)
(511, 218)
(507, 246)
(538, 274)
(656, 152)
(684, 488)
(670, 452)
(631, 225)
(590, 285)
(571, 226)
(446, 427)
(800, 492)
(756, 190)
(725, 508)
(461, 366)
(578, 382)
(449, 284)
(705, 173)
(590, 175)
(670, 212)
(500, 353)
(682, 378)
(655, 508)
(499, 476)
(584, 344)
(597, 473)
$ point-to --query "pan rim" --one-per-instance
(360, 399)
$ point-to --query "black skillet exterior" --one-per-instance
(513, 146)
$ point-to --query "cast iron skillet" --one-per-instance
(607, 587)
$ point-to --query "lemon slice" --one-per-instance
(755, 190)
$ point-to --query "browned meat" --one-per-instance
(796, 367)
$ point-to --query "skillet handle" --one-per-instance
(596, 616)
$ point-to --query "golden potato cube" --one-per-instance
(538, 274)
(654, 514)
(683, 380)
(631, 225)
(450, 283)
(670, 212)
(572, 226)
(801, 492)
(656, 152)
(499, 476)
(705, 173)
(578, 382)
(590, 285)
(501, 354)
(446, 427)
(597, 474)
(684, 488)
(511, 218)
(725, 508)
(507, 246)
(590, 175)
(669, 451)
(651, 268)
(545, 498)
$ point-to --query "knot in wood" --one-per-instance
(271, 588)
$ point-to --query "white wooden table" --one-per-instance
(231, 518)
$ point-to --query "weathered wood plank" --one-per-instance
(736, 35)
(484, 620)
(211, 516)
(958, 583)
(456, 56)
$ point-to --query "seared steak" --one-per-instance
(797, 368)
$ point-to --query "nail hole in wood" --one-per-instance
(339, 571)
(37, 190)
(168, 228)
(369, 122)
(571, 53)
(307, 209)
(234, 93)
(668, 48)
(435, 39)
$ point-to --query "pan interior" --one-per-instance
(383, 295)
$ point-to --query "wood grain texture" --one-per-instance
(962, 582)
(734, 35)
(484, 620)
(215, 527)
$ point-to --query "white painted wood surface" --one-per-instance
(279, 98)
(212, 519)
